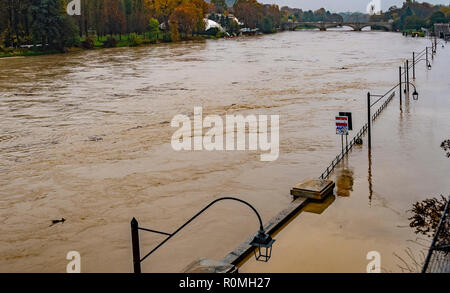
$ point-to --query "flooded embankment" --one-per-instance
(86, 136)
(375, 191)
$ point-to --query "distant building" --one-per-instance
(249, 31)
(209, 24)
(442, 30)
(218, 16)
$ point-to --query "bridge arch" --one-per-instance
(323, 26)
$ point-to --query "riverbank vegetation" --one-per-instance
(427, 213)
(34, 27)
(414, 16)
(31, 26)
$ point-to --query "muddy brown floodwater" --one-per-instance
(86, 136)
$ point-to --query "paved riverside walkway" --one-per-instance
(376, 190)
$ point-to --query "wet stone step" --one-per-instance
(313, 188)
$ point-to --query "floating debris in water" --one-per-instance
(95, 138)
(54, 222)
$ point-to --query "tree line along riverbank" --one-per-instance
(30, 27)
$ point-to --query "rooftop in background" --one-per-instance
(442, 30)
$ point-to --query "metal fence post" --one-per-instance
(405, 81)
(135, 244)
(369, 118)
(435, 44)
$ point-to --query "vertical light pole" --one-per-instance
(407, 76)
(414, 65)
(369, 120)
(405, 91)
(432, 50)
(400, 83)
(426, 54)
(135, 243)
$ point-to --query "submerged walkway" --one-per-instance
(375, 191)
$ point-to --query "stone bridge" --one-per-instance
(324, 25)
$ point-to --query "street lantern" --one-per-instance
(429, 66)
(415, 95)
(262, 244)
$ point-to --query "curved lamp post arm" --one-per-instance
(261, 228)
(415, 89)
(396, 86)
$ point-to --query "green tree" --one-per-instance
(153, 28)
(414, 22)
(266, 25)
(51, 26)
(437, 17)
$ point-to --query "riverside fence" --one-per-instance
(353, 141)
(403, 80)
(262, 240)
(438, 258)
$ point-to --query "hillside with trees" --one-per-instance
(414, 15)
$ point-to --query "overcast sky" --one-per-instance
(342, 5)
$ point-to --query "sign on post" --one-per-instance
(349, 115)
(342, 125)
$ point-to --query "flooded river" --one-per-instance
(86, 136)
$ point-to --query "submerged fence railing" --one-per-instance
(417, 57)
(262, 238)
(353, 141)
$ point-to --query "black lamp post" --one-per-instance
(262, 243)
(370, 104)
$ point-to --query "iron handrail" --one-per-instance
(348, 147)
(438, 229)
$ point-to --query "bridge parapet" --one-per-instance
(323, 26)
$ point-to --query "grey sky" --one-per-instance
(342, 5)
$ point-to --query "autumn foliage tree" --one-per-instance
(184, 17)
(250, 12)
(188, 16)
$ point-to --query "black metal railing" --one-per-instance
(359, 135)
(403, 73)
(438, 257)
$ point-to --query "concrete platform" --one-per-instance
(313, 188)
